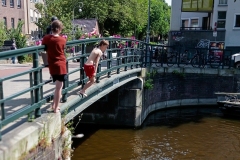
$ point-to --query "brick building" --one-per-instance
(12, 11)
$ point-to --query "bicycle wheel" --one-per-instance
(195, 61)
(183, 61)
(171, 61)
(158, 61)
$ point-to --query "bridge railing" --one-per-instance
(122, 54)
(172, 56)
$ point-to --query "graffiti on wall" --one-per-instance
(203, 43)
(177, 36)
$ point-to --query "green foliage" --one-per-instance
(160, 18)
(62, 9)
(122, 17)
(149, 81)
(181, 75)
(3, 33)
(20, 39)
(16, 33)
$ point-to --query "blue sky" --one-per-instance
(169, 2)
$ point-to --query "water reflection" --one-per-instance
(196, 133)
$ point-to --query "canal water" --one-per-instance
(190, 133)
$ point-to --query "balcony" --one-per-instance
(195, 28)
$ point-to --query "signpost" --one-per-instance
(214, 33)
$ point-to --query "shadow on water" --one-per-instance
(171, 118)
(177, 116)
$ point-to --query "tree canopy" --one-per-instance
(124, 17)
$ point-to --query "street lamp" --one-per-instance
(147, 57)
(148, 26)
(80, 10)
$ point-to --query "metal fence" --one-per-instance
(174, 56)
(119, 57)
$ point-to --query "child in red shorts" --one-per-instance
(90, 67)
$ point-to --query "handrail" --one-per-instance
(36, 82)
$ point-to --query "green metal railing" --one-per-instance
(129, 55)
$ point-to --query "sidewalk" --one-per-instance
(21, 83)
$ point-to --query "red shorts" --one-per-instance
(89, 70)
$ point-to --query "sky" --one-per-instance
(169, 2)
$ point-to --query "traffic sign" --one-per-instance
(214, 33)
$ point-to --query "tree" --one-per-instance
(59, 8)
(16, 33)
(160, 18)
(20, 39)
(124, 17)
(3, 33)
(119, 16)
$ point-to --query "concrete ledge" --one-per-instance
(179, 102)
(27, 136)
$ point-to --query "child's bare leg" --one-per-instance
(57, 95)
(88, 84)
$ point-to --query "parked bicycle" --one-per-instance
(181, 59)
(200, 60)
(159, 57)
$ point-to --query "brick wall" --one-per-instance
(8, 12)
(177, 86)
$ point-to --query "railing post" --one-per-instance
(118, 61)
(30, 115)
(98, 71)
(1, 97)
(65, 84)
(36, 83)
(150, 56)
(109, 62)
(146, 54)
(2, 108)
(82, 61)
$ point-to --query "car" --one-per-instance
(236, 60)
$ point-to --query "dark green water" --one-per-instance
(176, 134)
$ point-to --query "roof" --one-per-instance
(88, 24)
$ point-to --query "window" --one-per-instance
(237, 20)
(194, 23)
(222, 2)
(36, 16)
(185, 24)
(12, 22)
(221, 22)
(12, 3)
(4, 3)
(18, 3)
(197, 5)
(5, 21)
(31, 15)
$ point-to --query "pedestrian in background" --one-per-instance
(13, 47)
(55, 45)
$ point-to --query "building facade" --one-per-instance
(12, 11)
(31, 15)
(215, 21)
